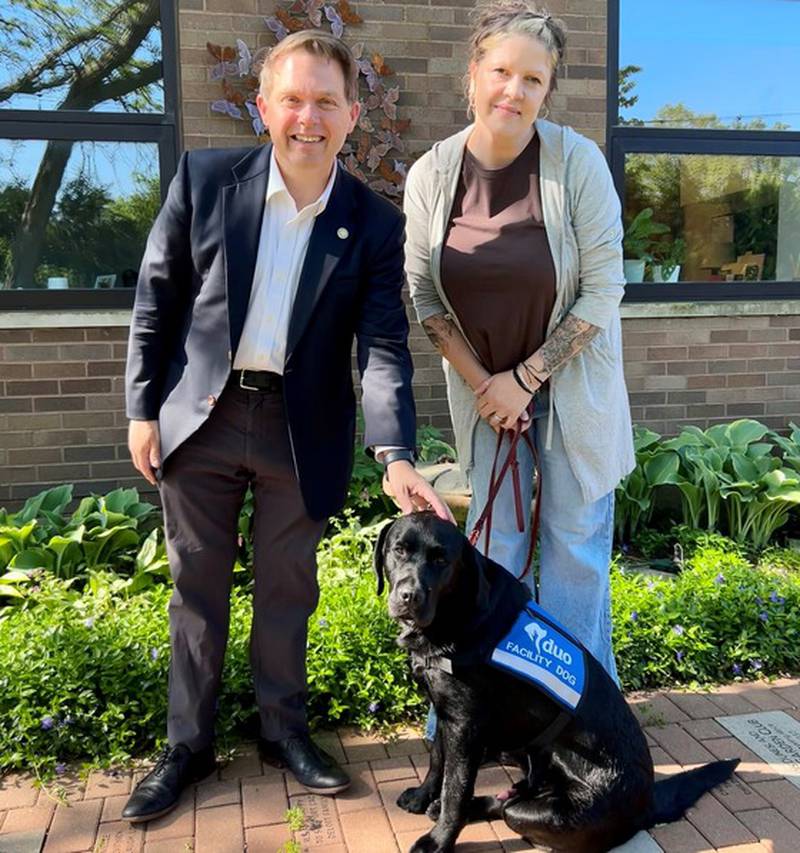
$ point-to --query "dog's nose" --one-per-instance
(411, 596)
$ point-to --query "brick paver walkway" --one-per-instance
(243, 806)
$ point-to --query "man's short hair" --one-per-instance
(317, 43)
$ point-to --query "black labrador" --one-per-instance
(588, 783)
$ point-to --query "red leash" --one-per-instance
(511, 462)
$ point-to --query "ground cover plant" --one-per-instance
(83, 673)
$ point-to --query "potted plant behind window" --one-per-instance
(667, 259)
(637, 243)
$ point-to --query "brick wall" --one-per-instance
(706, 370)
(424, 41)
(62, 413)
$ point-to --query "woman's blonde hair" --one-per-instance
(498, 18)
(317, 43)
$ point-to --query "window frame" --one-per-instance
(163, 129)
(629, 139)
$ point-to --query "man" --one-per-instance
(260, 270)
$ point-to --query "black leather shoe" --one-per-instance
(159, 791)
(313, 768)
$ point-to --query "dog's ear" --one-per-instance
(479, 565)
(377, 557)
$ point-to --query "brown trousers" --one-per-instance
(244, 442)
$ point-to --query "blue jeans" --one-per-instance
(574, 537)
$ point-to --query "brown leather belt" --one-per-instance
(257, 380)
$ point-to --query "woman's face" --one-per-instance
(509, 84)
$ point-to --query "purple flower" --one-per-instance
(634, 615)
(756, 664)
(775, 598)
(373, 707)
(737, 669)
(651, 585)
(679, 655)
(677, 630)
(89, 623)
(154, 654)
(323, 623)
(60, 769)
(719, 579)
(763, 616)
(47, 723)
(625, 547)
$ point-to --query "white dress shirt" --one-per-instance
(282, 246)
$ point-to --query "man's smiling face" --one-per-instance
(307, 113)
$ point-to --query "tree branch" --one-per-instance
(29, 83)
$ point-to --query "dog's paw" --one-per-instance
(428, 844)
(434, 810)
(415, 800)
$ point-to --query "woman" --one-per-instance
(514, 260)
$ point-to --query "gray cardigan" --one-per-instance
(582, 218)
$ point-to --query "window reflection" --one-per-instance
(729, 218)
(75, 214)
(103, 55)
(710, 64)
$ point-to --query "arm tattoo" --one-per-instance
(439, 331)
(568, 339)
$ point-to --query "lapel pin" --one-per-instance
(342, 233)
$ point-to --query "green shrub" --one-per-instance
(741, 478)
(84, 676)
(717, 620)
(357, 673)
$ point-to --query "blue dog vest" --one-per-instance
(540, 651)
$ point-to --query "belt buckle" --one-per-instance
(242, 383)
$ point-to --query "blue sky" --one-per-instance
(110, 164)
(729, 57)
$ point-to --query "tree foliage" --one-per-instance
(73, 57)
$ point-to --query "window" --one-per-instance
(88, 141)
(704, 144)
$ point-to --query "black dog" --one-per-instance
(589, 782)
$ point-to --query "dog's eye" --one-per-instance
(399, 549)
(441, 562)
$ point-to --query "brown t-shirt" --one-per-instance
(497, 270)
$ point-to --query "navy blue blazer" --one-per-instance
(192, 297)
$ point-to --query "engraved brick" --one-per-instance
(120, 837)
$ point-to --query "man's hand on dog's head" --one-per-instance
(412, 492)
